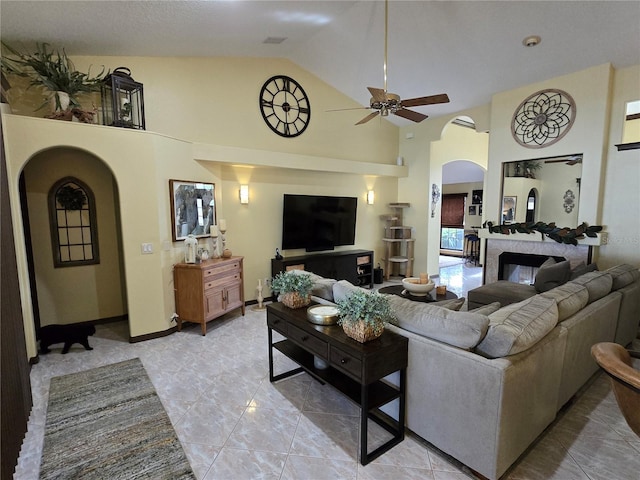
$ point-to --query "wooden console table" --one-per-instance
(355, 369)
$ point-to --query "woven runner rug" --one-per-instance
(108, 423)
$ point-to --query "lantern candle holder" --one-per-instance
(122, 100)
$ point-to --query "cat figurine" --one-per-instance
(69, 334)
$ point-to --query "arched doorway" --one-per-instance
(89, 287)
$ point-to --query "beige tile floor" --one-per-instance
(234, 424)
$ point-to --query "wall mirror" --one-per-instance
(193, 208)
(547, 190)
(631, 128)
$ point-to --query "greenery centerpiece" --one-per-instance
(363, 314)
(55, 72)
(294, 288)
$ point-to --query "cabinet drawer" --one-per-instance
(277, 324)
(346, 362)
(219, 271)
(308, 341)
(219, 282)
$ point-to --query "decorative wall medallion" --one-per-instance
(543, 118)
(569, 201)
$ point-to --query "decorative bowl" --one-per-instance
(322, 314)
(417, 289)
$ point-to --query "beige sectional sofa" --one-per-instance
(483, 385)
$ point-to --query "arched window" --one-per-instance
(74, 230)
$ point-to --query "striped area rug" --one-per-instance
(108, 423)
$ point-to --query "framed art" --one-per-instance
(472, 210)
(193, 208)
(508, 209)
(476, 197)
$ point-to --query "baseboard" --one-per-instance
(151, 336)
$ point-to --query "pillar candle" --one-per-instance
(222, 225)
(213, 230)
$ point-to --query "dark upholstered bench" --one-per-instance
(501, 291)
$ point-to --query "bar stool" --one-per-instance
(472, 248)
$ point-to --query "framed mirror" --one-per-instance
(542, 190)
(193, 208)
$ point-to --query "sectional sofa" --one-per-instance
(482, 385)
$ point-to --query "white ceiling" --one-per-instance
(467, 49)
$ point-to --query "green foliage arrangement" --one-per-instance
(52, 70)
(285, 282)
(561, 235)
(370, 307)
(71, 198)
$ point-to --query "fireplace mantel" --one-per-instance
(600, 239)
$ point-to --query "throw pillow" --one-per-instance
(487, 309)
(323, 288)
(519, 326)
(453, 304)
(551, 276)
(581, 269)
(460, 329)
(623, 275)
(570, 297)
(598, 284)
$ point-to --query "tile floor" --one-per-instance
(234, 424)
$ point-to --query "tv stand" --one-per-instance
(356, 266)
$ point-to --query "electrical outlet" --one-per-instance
(147, 248)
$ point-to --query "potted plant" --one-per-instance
(294, 288)
(53, 71)
(530, 167)
(363, 314)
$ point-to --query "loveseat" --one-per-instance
(482, 385)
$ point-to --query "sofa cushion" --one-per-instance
(581, 269)
(342, 289)
(487, 309)
(518, 326)
(501, 291)
(551, 275)
(460, 329)
(452, 304)
(322, 287)
(598, 284)
(570, 297)
(623, 275)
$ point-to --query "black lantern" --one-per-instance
(122, 100)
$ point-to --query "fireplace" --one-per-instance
(521, 267)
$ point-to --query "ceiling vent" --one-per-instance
(274, 40)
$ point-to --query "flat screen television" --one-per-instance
(316, 222)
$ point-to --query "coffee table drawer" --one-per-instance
(346, 362)
(308, 341)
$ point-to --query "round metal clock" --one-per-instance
(543, 118)
(285, 106)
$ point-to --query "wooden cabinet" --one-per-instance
(356, 266)
(207, 290)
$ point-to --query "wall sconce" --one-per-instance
(370, 197)
(435, 198)
(244, 194)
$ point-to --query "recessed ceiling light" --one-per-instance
(274, 40)
(531, 41)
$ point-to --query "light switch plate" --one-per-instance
(147, 248)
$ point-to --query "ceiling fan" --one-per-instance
(384, 102)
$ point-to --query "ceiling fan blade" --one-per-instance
(430, 100)
(344, 109)
(411, 115)
(378, 94)
(371, 116)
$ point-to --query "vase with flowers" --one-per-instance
(363, 315)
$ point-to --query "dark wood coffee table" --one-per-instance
(431, 297)
(355, 369)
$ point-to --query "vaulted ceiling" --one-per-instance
(468, 49)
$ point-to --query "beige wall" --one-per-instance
(78, 293)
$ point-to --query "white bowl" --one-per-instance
(417, 289)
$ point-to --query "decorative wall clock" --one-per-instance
(543, 118)
(285, 106)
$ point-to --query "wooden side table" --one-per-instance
(205, 291)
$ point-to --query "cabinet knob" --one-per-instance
(344, 360)
(275, 322)
(305, 338)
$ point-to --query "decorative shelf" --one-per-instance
(628, 146)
